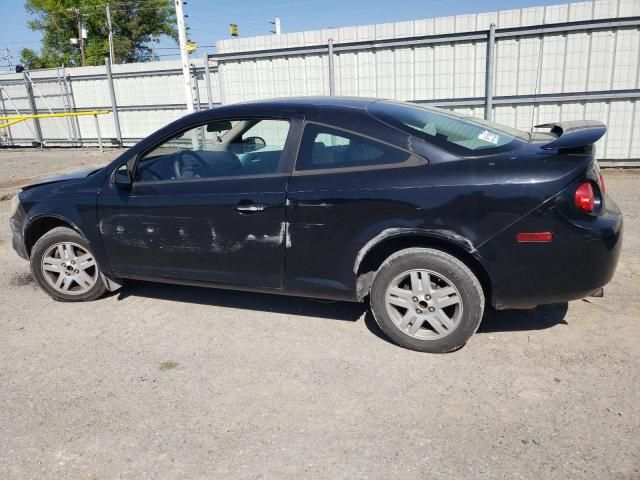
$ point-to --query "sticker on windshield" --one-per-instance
(487, 136)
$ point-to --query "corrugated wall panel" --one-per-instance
(264, 79)
(529, 59)
(552, 69)
(506, 67)
(464, 68)
(619, 129)
(577, 56)
(385, 74)
(443, 75)
(423, 73)
(625, 71)
(404, 74)
(347, 74)
(600, 60)
(366, 74)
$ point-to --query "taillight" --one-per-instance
(585, 198)
(602, 188)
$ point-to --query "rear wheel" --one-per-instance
(427, 300)
(65, 268)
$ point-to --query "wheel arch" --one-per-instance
(41, 224)
(383, 245)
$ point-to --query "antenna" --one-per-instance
(538, 71)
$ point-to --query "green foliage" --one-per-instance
(134, 23)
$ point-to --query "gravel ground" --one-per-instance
(169, 382)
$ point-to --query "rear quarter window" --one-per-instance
(463, 136)
(324, 148)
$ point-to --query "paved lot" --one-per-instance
(172, 382)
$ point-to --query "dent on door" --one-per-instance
(183, 234)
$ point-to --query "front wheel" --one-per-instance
(65, 268)
(427, 300)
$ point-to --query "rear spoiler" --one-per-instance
(574, 134)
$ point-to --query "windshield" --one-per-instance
(458, 134)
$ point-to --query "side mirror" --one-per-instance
(122, 176)
(251, 144)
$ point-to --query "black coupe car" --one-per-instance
(430, 215)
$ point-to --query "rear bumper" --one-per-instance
(581, 259)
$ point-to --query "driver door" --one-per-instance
(206, 205)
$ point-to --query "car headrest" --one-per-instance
(321, 154)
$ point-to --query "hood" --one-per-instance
(75, 175)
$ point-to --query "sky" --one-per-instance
(209, 20)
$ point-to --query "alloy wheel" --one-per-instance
(69, 268)
(424, 304)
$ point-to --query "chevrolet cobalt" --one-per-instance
(428, 215)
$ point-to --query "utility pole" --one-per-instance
(184, 55)
(112, 55)
(153, 47)
(81, 34)
(276, 26)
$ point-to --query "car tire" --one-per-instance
(427, 300)
(65, 268)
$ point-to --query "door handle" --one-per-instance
(251, 208)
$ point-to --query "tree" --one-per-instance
(134, 23)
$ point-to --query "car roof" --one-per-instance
(304, 105)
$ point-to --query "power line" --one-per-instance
(20, 43)
(267, 7)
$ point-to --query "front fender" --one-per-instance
(80, 215)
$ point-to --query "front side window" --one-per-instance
(464, 136)
(326, 148)
(223, 148)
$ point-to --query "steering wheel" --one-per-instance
(178, 164)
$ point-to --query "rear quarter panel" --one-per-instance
(332, 216)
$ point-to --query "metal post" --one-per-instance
(65, 103)
(4, 112)
(95, 117)
(34, 109)
(332, 78)
(196, 88)
(35, 88)
(17, 110)
(184, 55)
(114, 104)
(66, 83)
(207, 79)
(488, 85)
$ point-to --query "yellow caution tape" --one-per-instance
(13, 119)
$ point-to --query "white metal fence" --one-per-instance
(561, 62)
